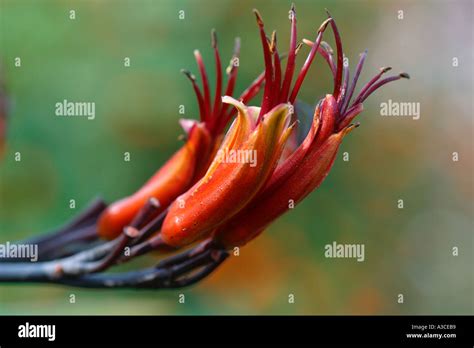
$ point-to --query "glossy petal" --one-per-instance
(302, 174)
(169, 182)
(228, 186)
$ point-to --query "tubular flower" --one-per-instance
(190, 162)
(229, 185)
(306, 168)
(224, 189)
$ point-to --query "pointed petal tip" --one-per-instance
(292, 13)
(325, 24)
(229, 100)
(258, 16)
(214, 38)
(188, 74)
(234, 102)
(404, 75)
(280, 107)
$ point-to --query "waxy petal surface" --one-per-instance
(229, 186)
(169, 182)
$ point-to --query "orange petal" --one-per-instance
(307, 176)
(228, 186)
(171, 180)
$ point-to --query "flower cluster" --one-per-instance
(234, 202)
(191, 161)
(221, 187)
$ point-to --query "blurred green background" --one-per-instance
(408, 251)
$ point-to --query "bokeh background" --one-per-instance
(408, 251)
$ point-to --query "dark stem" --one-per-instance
(152, 278)
(75, 235)
(178, 271)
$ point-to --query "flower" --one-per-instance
(207, 190)
(234, 201)
(191, 161)
(306, 168)
(235, 207)
(228, 186)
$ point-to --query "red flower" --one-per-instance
(229, 185)
(305, 169)
(191, 161)
(236, 202)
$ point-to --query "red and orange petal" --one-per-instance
(171, 180)
(228, 187)
(268, 206)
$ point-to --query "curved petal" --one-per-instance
(230, 186)
(309, 174)
(171, 180)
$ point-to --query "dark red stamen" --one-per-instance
(253, 89)
(218, 92)
(231, 75)
(344, 87)
(277, 65)
(381, 83)
(326, 52)
(308, 61)
(290, 66)
(268, 67)
(337, 37)
(200, 99)
(205, 84)
(246, 95)
(350, 92)
(347, 118)
(370, 83)
(327, 55)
